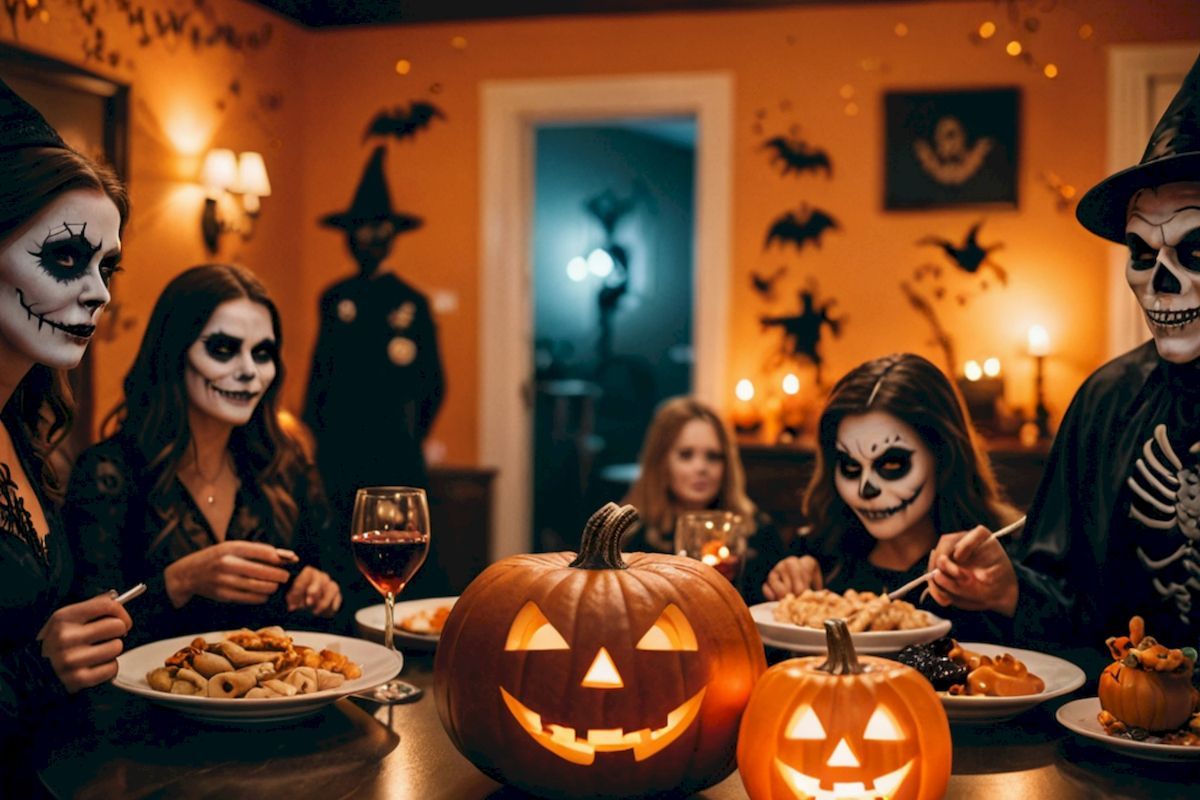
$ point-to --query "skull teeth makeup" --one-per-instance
(1172, 319)
(884, 513)
(232, 363)
(76, 331)
(237, 396)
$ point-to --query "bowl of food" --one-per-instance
(418, 623)
(877, 624)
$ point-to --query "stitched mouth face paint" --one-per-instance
(233, 362)
(884, 473)
(54, 275)
(1163, 235)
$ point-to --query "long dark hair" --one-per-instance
(913, 390)
(42, 408)
(154, 414)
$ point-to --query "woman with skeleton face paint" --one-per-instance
(61, 218)
(897, 465)
(690, 462)
(199, 493)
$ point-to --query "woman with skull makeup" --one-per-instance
(690, 462)
(1114, 528)
(61, 219)
(199, 493)
(897, 465)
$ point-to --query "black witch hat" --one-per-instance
(22, 125)
(372, 202)
(1172, 156)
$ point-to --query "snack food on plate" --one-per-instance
(863, 611)
(254, 664)
(953, 669)
(429, 621)
(1148, 689)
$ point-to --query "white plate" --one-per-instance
(378, 666)
(372, 618)
(1060, 677)
(787, 636)
(1080, 717)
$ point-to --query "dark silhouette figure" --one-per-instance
(802, 331)
(969, 256)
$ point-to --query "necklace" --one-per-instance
(210, 484)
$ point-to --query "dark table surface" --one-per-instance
(121, 746)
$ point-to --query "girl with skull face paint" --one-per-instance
(199, 493)
(61, 218)
(897, 464)
(690, 462)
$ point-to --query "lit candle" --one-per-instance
(791, 410)
(972, 371)
(1039, 341)
(746, 418)
(991, 367)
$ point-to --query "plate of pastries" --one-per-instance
(418, 623)
(263, 675)
(877, 624)
(1148, 705)
(987, 682)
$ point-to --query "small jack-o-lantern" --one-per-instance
(844, 727)
(597, 676)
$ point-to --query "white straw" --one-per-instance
(908, 587)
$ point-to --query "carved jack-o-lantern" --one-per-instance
(844, 727)
(598, 676)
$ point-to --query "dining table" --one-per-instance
(111, 744)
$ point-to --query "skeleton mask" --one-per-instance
(233, 362)
(1163, 234)
(54, 275)
(884, 472)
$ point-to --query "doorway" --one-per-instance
(511, 112)
(612, 298)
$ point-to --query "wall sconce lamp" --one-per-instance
(223, 175)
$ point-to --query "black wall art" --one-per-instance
(951, 148)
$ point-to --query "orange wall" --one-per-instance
(332, 82)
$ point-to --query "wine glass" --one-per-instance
(389, 534)
(717, 538)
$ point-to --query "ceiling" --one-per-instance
(337, 13)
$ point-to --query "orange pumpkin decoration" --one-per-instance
(1148, 685)
(597, 676)
(844, 727)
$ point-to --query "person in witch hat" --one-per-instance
(61, 219)
(377, 382)
(1114, 529)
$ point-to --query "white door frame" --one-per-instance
(510, 110)
(1135, 71)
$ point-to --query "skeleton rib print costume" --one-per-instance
(1115, 527)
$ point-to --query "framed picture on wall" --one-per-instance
(951, 148)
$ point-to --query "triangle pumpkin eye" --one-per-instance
(804, 724)
(882, 727)
(671, 631)
(530, 630)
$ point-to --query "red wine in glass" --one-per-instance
(389, 559)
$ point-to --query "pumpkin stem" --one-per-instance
(601, 545)
(842, 659)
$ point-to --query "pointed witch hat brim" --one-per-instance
(372, 202)
(1172, 156)
(22, 125)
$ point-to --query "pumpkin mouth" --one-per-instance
(885, 786)
(582, 750)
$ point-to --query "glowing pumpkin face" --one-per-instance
(844, 728)
(626, 679)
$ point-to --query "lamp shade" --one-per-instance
(252, 175)
(220, 170)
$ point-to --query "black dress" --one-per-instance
(121, 539)
(36, 578)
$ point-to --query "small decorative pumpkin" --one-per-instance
(844, 727)
(1148, 685)
(597, 676)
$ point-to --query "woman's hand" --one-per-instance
(83, 640)
(973, 573)
(229, 572)
(793, 575)
(316, 591)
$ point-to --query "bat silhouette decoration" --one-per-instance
(797, 156)
(403, 122)
(800, 228)
(765, 286)
(970, 256)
